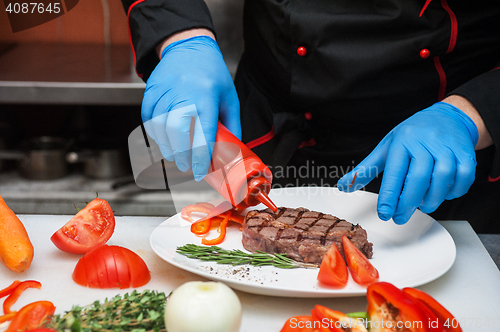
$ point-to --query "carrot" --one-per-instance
(16, 250)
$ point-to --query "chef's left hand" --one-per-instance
(426, 159)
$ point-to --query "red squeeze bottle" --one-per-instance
(237, 173)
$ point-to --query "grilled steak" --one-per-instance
(303, 235)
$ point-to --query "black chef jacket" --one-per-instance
(322, 82)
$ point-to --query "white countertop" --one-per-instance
(470, 290)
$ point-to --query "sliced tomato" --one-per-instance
(111, 267)
(363, 272)
(90, 228)
(139, 273)
(333, 270)
(31, 316)
(298, 324)
(121, 269)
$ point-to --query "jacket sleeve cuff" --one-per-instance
(152, 21)
(482, 92)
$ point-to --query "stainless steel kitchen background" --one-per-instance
(72, 104)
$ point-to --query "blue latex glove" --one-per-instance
(426, 159)
(191, 81)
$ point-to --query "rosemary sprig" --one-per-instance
(238, 257)
(136, 312)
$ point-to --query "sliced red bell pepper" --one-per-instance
(31, 316)
(7, 317)
(325, 322)
(299, 324)
(445, 319)
(9, 289)
(222, 230)
(336, 321)
(202, 226)
(198, 207)
(388, 305)
(9, 301)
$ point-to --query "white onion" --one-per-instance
(199, 306)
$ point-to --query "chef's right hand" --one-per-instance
(191, 82)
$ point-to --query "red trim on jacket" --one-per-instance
(261, 140)
(442, 78)
(496, 68)
(454, 26)
(425, 7)
(130, 35)
(310, 142)
(490, 179)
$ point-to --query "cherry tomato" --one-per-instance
(333, 270)
(111, 267)
(31, 316)
(90, 228)
(363, 272)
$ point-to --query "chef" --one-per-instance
(398, 97)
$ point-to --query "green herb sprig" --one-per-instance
(134, 312)
(238, 257)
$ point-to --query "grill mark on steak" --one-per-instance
(323, 238)
(301, 234)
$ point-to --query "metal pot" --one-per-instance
(101, 164)
(41, 158)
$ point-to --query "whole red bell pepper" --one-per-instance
(391, 308)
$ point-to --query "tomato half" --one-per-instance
(111, 267)
(333, 270)
(363, 272)
(90, 228)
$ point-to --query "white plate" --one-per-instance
(407, 256)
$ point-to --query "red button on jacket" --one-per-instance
(424, 53)
(301, 51)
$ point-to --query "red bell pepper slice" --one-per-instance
(388, 305)
(445, 319)
(9, 289)
(362, 271)
(7, 317)
(222, 229)
(198, 207)
(202, 226)
(299, 324)
(336, 321)
(333, 270)
(9, 301)
(31, 316)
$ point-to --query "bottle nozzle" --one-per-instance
(264, 199)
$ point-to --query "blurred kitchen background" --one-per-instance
(69, 98)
